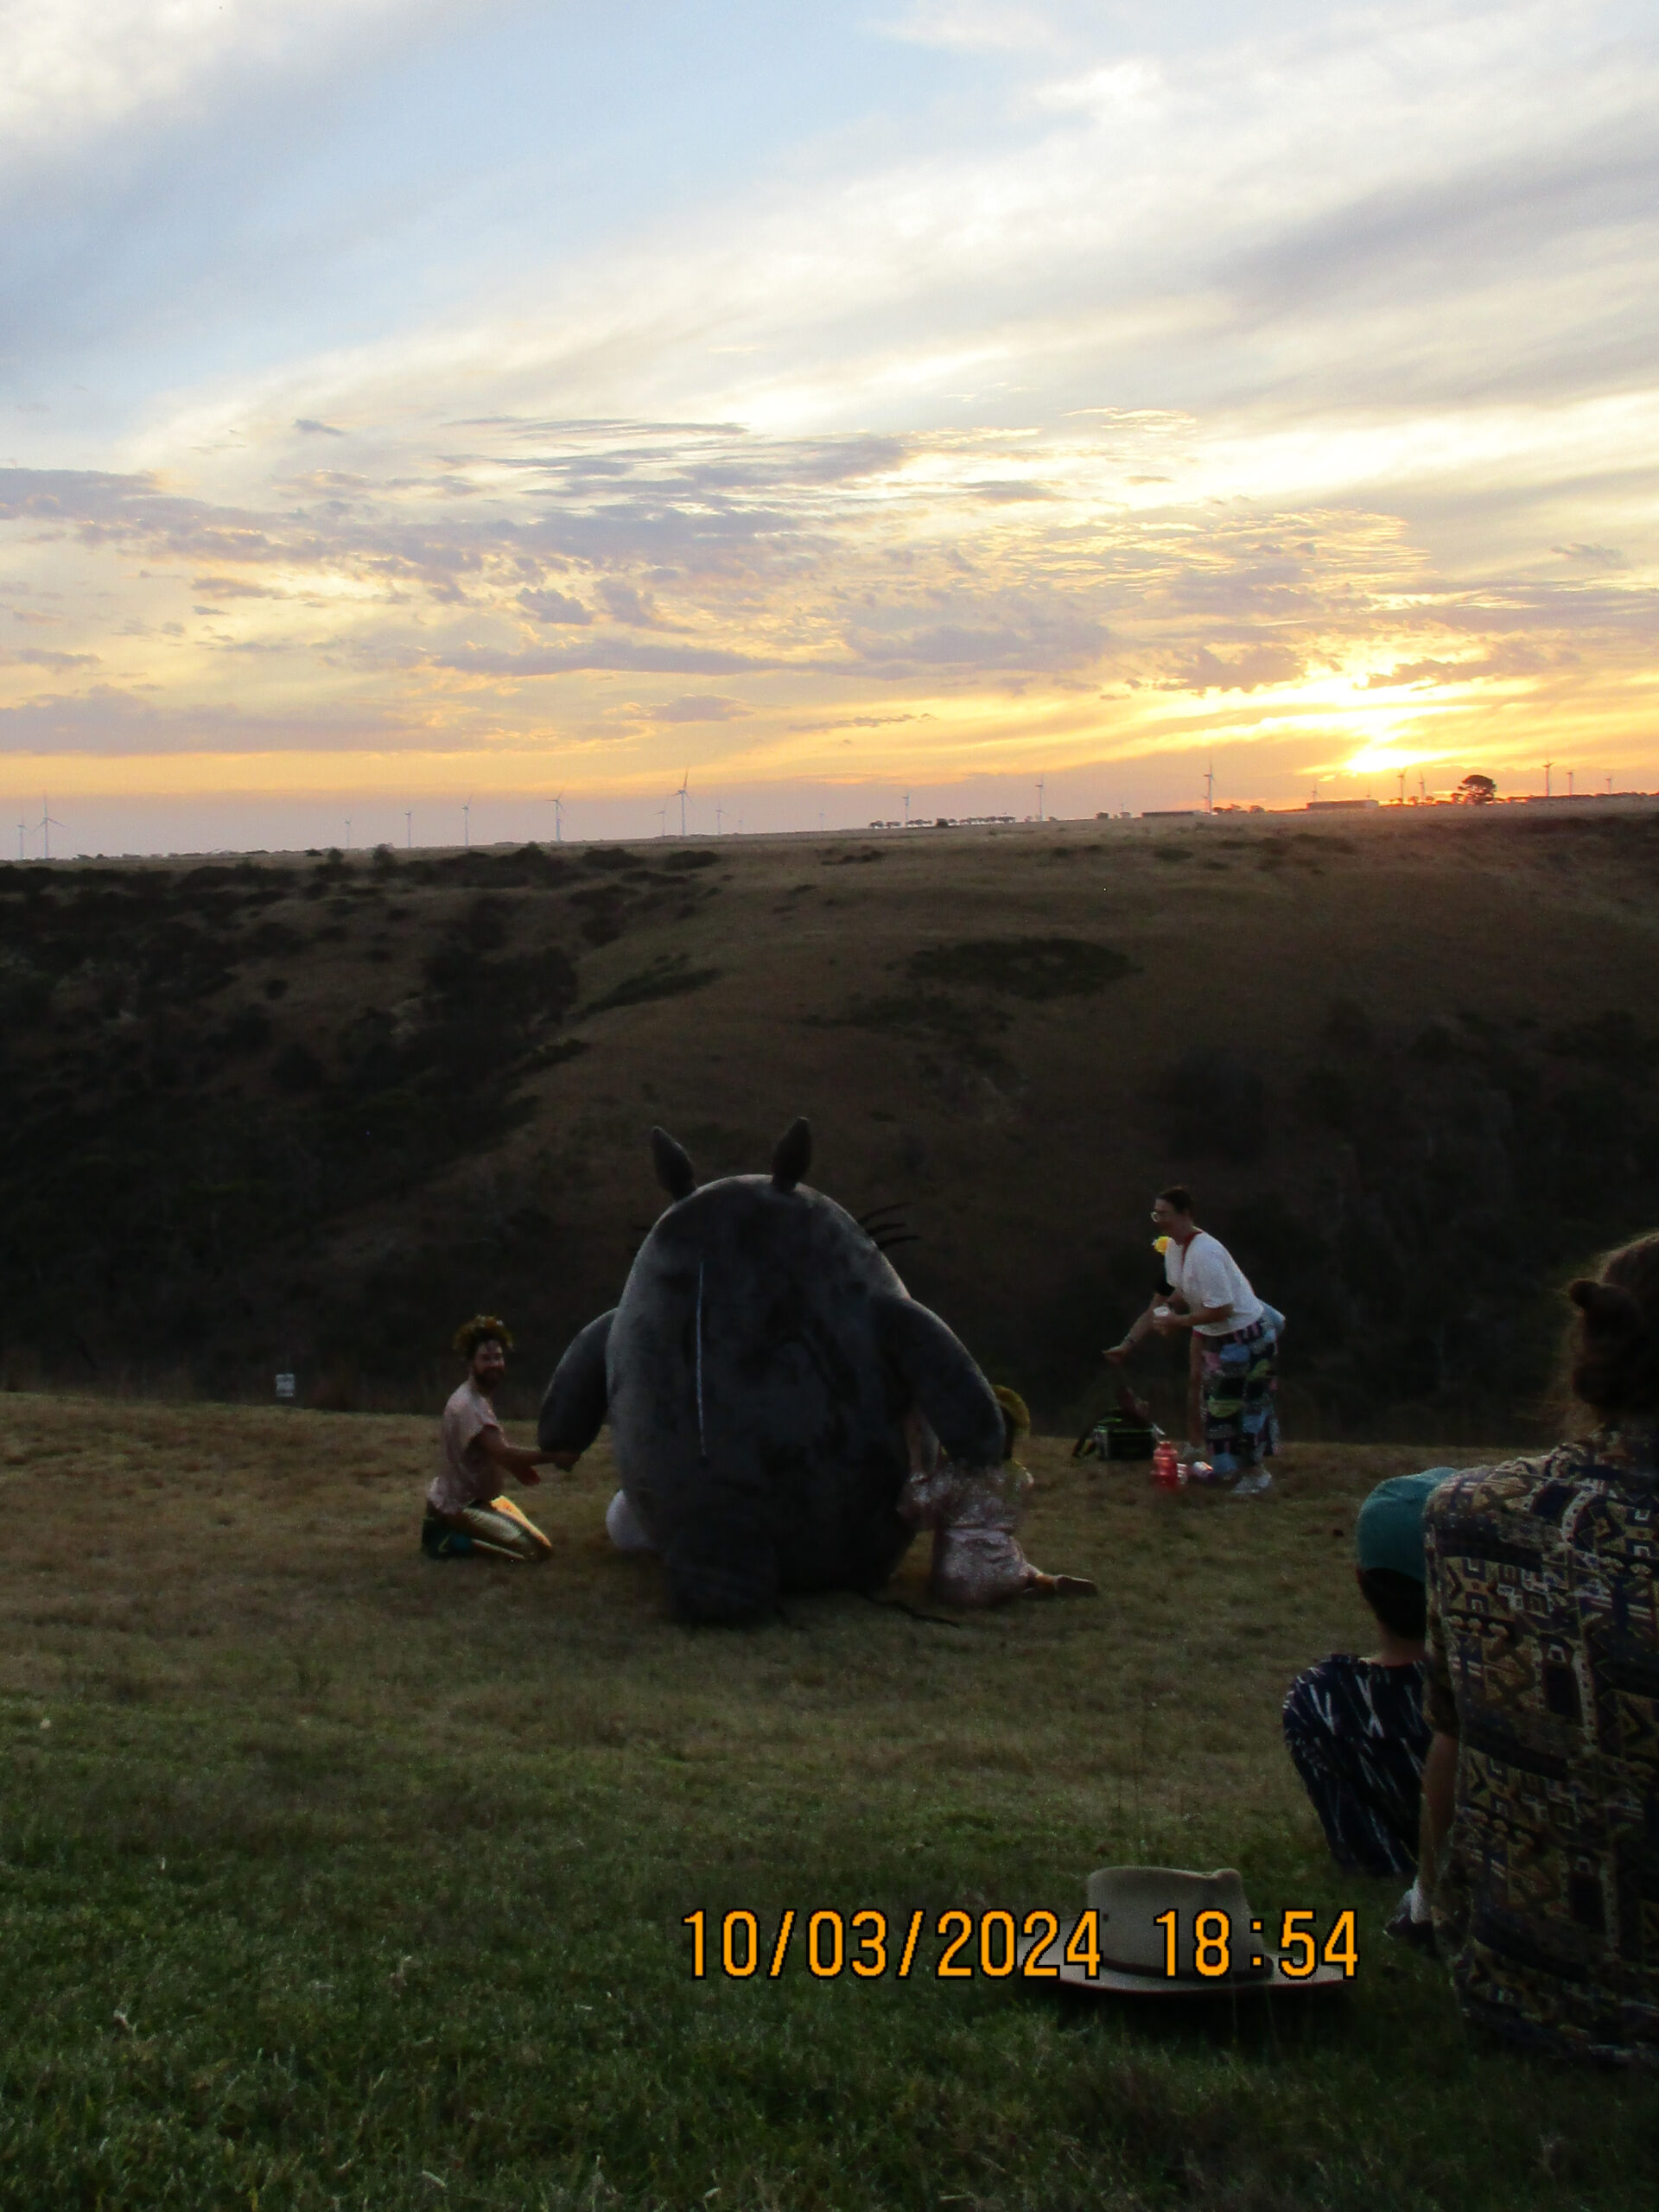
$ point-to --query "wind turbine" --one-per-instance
(467, 822)
(662, 820)
(1548, 765)
(558, 819)
(1042, 784)
(683, 794)
(907, 809)
(348, 833)
(22, 830)
(409, 829)
(717, 813)
(47, 823)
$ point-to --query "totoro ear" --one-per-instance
(673, 1165)
(792, 1155)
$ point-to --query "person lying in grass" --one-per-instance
(464, 1512)
(1355, 1726)
(973, 1512)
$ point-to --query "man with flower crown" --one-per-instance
(1233, 1370)
(464, 1512)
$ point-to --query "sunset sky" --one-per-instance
(406, 405)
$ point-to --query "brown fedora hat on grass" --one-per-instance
(1162, 1931)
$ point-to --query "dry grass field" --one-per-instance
(337, 1877)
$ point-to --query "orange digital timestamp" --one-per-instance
(1299, 1956)
(829, 1943)
(1002, 1945)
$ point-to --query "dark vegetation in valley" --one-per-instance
(1023, 967)
(305, 1112)
(1476, 1158)
(183, 1122)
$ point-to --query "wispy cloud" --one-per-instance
(80, 65)
(700, 706)
(679, 551)
(982, 377)
(974, 25)
(42, 656)
(546, 605)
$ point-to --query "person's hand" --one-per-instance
(565, 1459)
(529, 1475)
(1118, 1354)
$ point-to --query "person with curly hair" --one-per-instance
(1539, 1861)
(464, 1511)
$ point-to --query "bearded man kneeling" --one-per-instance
(464, 1513)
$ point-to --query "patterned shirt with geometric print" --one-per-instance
(1543, 1662)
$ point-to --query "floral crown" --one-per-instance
(471, 1334)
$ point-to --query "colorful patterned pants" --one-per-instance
(1239, 1381)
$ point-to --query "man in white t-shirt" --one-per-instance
(464, 1511)
(1235, 1344)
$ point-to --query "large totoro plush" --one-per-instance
(757, 1374)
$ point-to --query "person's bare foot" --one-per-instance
(1060, 1585)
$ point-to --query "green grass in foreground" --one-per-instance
(340, 1878)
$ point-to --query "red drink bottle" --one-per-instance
(1165, 1465)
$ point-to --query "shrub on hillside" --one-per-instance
(297, 1068)
(247, 1030)
(933, 1016)
(1024, 967)
(1212, 1105)
(669, 977)
(1349, 1027)
(484, 926)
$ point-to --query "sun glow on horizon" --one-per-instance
(904, 410)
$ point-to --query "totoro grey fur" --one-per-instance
(756, 1374)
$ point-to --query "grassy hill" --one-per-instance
(306, 1112)
(334, 1876)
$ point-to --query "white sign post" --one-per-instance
(285, 1386)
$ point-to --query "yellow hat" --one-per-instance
(1016, 1415)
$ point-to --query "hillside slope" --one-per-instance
(306, 1112)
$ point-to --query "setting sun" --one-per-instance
(948, 398)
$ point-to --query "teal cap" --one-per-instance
(1390, 1530)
